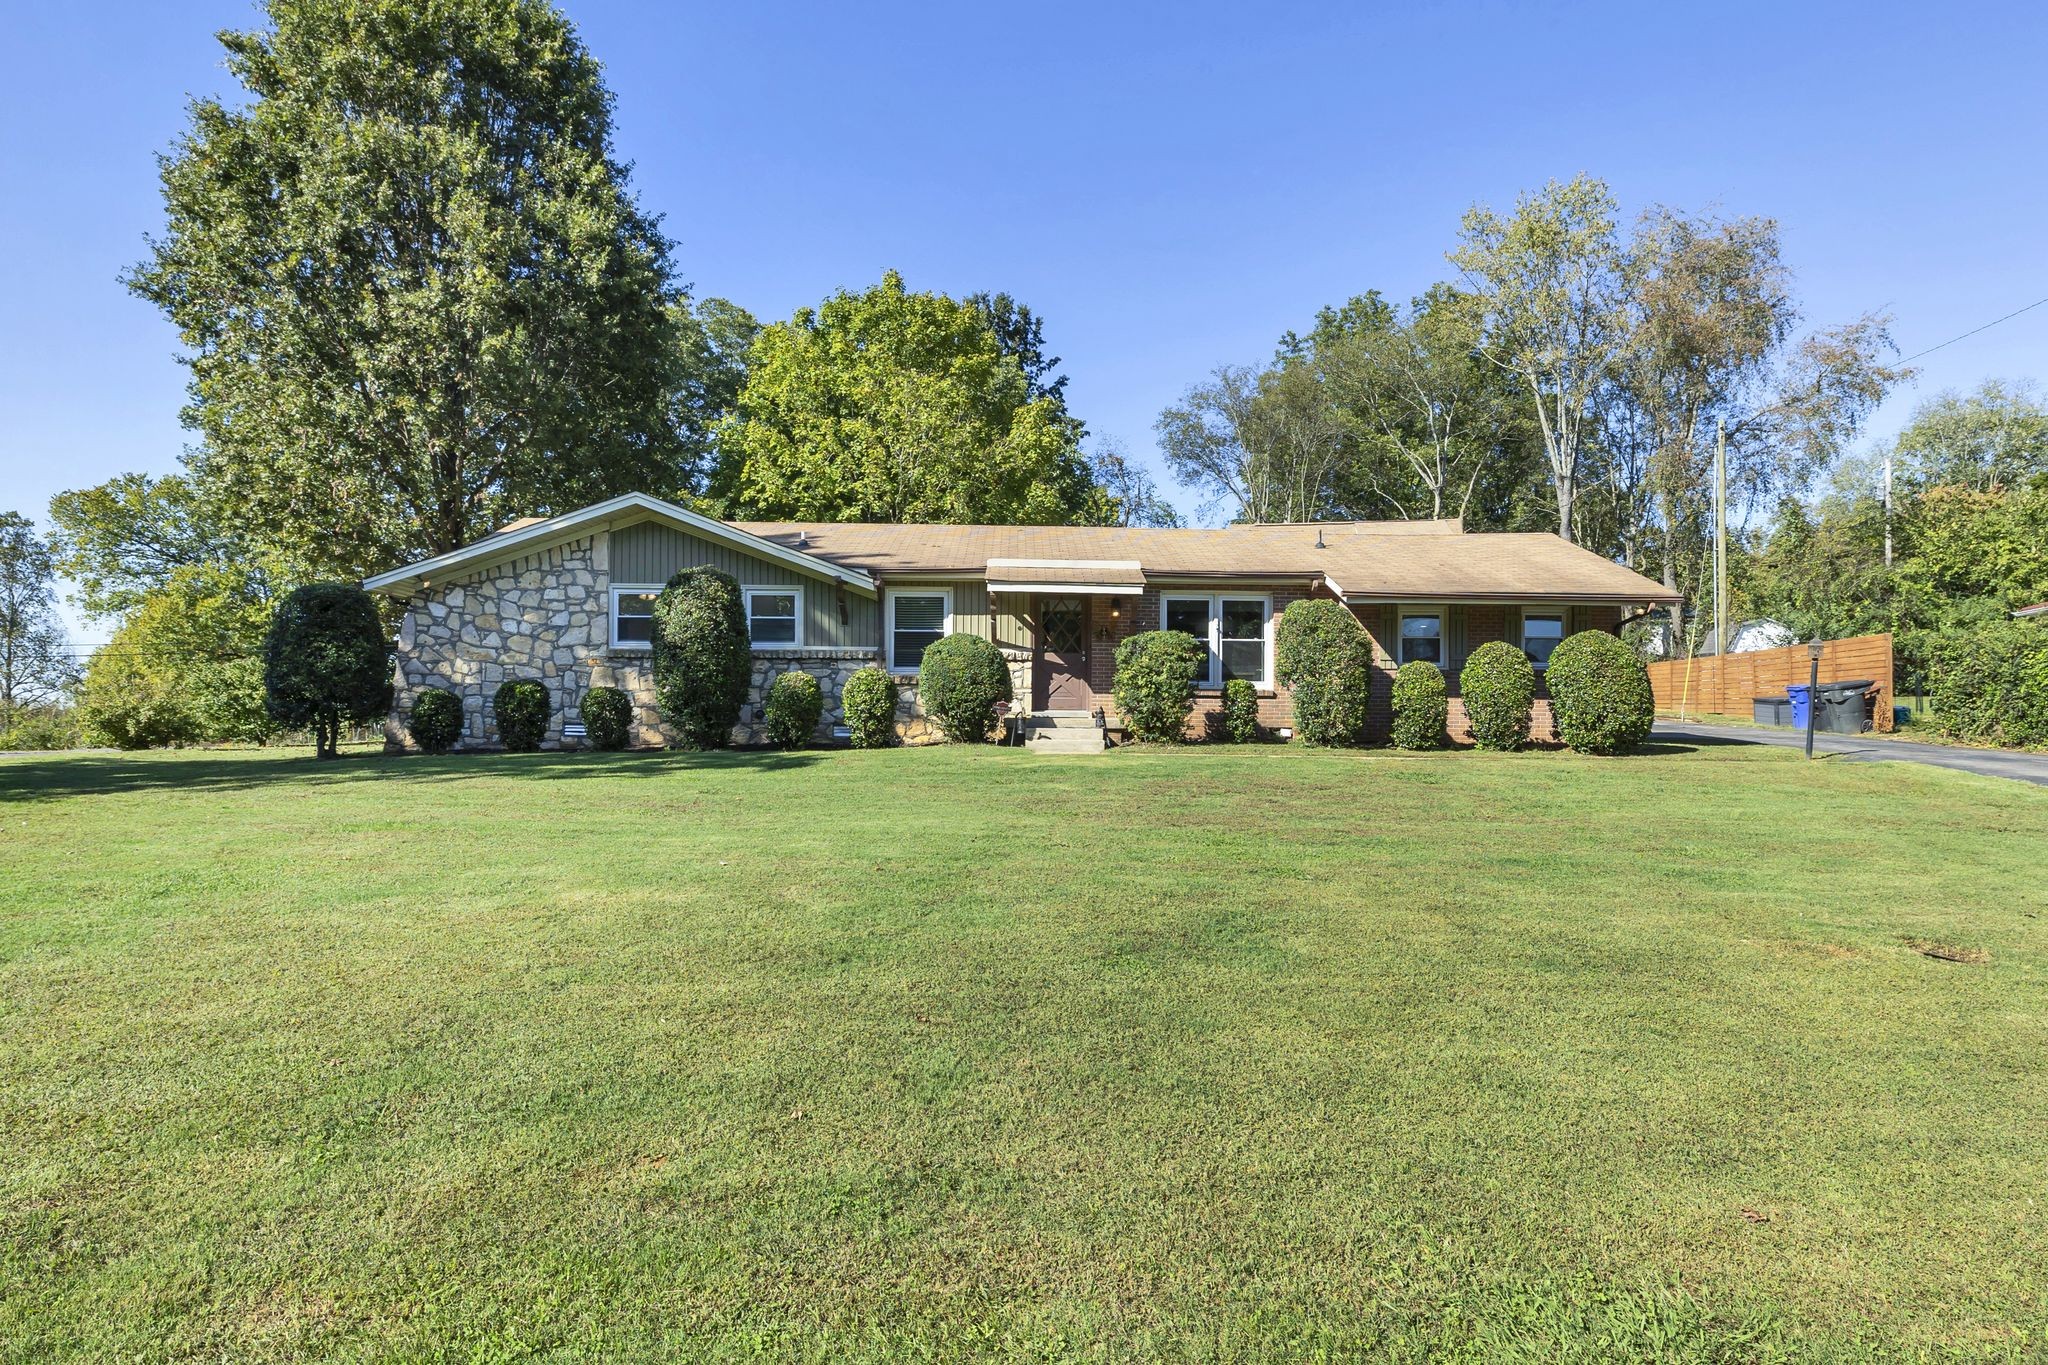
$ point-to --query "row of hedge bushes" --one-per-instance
(1990, 686)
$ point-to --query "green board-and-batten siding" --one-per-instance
(650, 552)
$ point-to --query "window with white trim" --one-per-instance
(1541, 633)
(633, 617)
(1422, 637)
(775, 616)
(918, 618)
(1234, 630)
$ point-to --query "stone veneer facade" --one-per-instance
(547, 616)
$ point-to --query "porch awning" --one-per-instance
(1103, 577)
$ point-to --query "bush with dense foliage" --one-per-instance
(1154, 685)
(1498, 684)
(1241, 711)
(607, 717)
(1325, 658)
(869, 702)
(1600, 694)
(791, 710)
(326, 663)
(436, 720)
(521, 708)
(1421, 706)
(702, 660)
(40, 727)
(960, 681)
(1991, 685)
(185, 665)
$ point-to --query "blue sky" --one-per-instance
(1171, 187)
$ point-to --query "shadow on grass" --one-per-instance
(105, 775)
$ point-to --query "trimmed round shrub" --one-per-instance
(703, 660)
(1499, 687)
(869, 703)
(607, 717)
(790, 712)
(1241, 711)
(1422, 706)
(1991, 684)
(1154, 686)
(436, 720)
(1600, 694)
(521, 708)
(326, 662)
(960, 680)
(1324, 657)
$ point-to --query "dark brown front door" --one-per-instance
(1059, 679)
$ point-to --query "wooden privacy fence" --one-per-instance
(1727, 684)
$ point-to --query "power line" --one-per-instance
(1974, 330)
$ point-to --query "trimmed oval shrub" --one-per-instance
(521, 709)
(1499, 687)
(869, 703)
(960, 680)
(325, 662)
(1600, 694)
(436, 720)
(1325, 658)
(790, 711)
(702, 660)
(1990, 684)
(1241, 711)
(607, 717)
(1154, 685)
(1422, 706)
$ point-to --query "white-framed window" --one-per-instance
(775, 617)
(1422, 637)
(917, 618)
(1541, 632)
(633, 615)
(1236, 629)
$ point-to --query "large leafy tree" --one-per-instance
(889, 405)
(1266, 445)
(1709, 346)
(1551, 279)
(416, 292)
(35, 666)
(1993, 438)
(184, 667)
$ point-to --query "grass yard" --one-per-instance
(1207, 1054)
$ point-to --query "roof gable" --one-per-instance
(523, 537)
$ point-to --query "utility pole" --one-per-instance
(1887, 506)
(1720, 537)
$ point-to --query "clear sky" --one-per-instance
(1170, 186)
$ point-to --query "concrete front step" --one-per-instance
(1065, 741)
(1060, 720)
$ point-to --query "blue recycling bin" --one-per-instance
(1802, 704)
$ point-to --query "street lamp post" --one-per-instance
(1813, 649)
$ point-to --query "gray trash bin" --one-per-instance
(1843, 708)
(1771, 710)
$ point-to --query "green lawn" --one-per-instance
(1204, 1054)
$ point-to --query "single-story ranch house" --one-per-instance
(567, 600)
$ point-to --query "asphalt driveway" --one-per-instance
(1870, 749)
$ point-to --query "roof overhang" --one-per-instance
(2038, 609)
(1100, 577)
(1577, 599)
(622, 510)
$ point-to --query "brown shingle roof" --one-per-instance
(1369, 559)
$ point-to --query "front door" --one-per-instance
(1059, 678)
